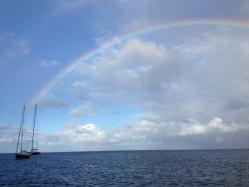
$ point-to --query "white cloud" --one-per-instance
(145, 135)
(193, 129)
(215, 125)
(138, 51)
(136, 66)
(87, 133)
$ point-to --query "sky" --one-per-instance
(125, 75)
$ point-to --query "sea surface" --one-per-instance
(128, 168)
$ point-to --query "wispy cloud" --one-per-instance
(52, 102)
(8, 134)
(13, 46)
(6, 36)
(83, 110)
(68, 5)
(19, 48)
(49, 63)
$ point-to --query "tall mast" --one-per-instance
(33, 128)
(22, 126)
(20, 129)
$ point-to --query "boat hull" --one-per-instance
(35, 153)
(22, 156)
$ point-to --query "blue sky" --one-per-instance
(174, 88)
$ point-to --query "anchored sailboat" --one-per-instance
(22, 154)
(34, 150)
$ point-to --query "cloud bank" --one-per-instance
(191, 94)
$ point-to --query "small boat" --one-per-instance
(34, 150)
(22, 154)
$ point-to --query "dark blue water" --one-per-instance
(128, 168)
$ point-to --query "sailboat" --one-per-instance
(22, 154)
(34, 150)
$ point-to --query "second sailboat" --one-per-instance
(34, 150)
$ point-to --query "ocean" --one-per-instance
(128, 168)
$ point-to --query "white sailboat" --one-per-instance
(34, 150)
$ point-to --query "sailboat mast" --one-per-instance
(20, 129)
(22, 126)
(33, 128)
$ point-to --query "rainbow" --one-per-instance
(127, 35)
